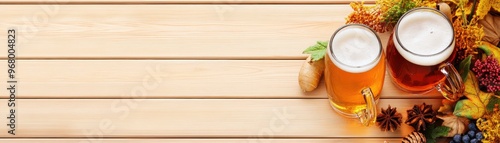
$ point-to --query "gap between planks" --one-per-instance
(170, 31)
(182, 79)
(199, 118)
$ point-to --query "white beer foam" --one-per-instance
(355, 49)
(426, 34)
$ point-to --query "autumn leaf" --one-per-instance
(475, 105)
(490, 49)
(467, 108)
(447, 106)
(473, 92)
(456, 124)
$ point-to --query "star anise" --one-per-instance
(421, 116)
(389, 119)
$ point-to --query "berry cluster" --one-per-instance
(473, 136)
(488, 73)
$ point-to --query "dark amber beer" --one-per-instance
(409, 76)
(354, 72)
(419, 53)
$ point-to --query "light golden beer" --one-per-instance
(344, 88)
(355, 62)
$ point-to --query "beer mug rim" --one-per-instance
(371, 64)
(450, 45)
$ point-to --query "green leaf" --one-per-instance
(467, 108)
(434, 132)
(485, 49)
(317, 51)
(440, 131)
(395, 12)
(494, 100)
(464, 67)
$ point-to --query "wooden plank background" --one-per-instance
(171, 31)
(170, 79)
(344, 140)
(178, 71)
(235, 118)
(180, 1)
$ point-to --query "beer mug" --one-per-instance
(419, 53)
(354, 72)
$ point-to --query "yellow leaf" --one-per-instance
(475, 106)
(495, 51)
(469, 109)
(473, 92)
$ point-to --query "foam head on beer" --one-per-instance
(425, 37)
(355, 49)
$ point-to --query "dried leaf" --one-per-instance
(447, 106)
(456, 124)
(491, 27)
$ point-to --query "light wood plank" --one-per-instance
(170, 31)
(238, 118)
(168, 79)
(257, 140)
(181, 1)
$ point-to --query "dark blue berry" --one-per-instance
(471, 134)
(474, 141)
(479, 136)
(452, 141)
(466, 139)
(473, 127)
(457, 138)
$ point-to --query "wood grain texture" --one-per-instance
(236, 118)
(247, 140)
(170, 31)
(180, 1)
(169, 79)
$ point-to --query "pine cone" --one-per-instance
(414, 137)
(389, 119)
(421, 116)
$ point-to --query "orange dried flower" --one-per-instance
(369, 16)
(467, 37)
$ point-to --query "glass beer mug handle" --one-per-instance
(368, 115)
(452, 88)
